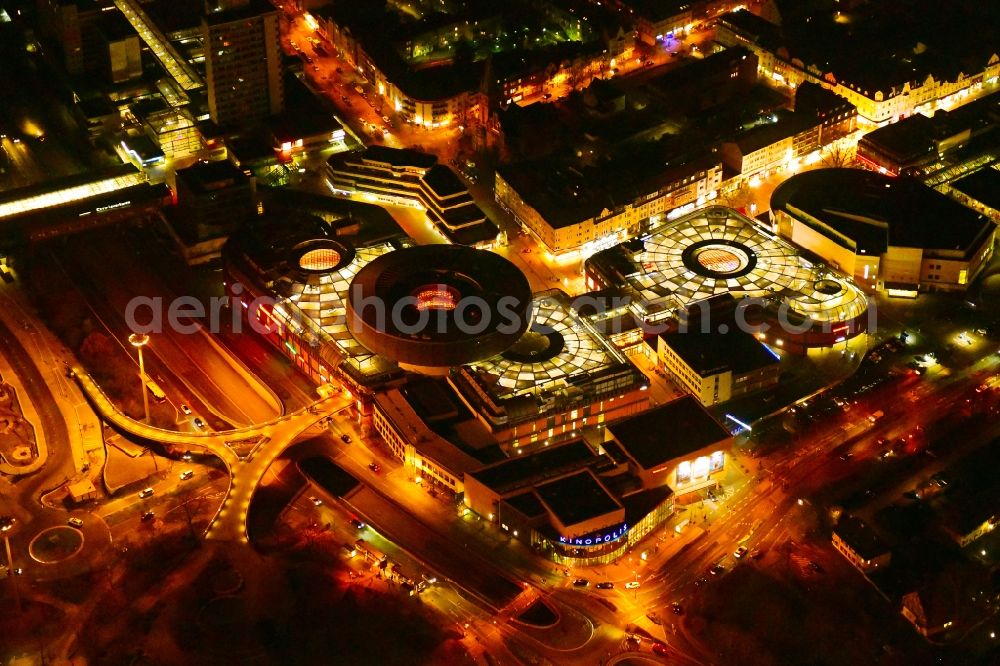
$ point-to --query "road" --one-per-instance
(188, 366)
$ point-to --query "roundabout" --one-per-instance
(56, 544)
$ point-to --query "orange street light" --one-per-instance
(140, 340)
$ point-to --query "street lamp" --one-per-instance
(140, 340)
(6, 523)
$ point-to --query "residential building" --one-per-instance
(579, 211)
(243, 69)
(860, 544)
(777, 144)
(919, 81)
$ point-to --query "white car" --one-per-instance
(147, 492)
(631, 585)
(186, 474)
(75, 522)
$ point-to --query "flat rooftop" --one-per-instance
(906, 140)
(455, 459)
(668, 432)
(713, 352)
(877, 211)
(576, 498)
(566, 193)
(208, 176)
(399, 157)
(526, 471)
(860, 537)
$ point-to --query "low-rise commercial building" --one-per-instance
(678, 444)
(429, 457)
(569, 503)
(716, 367)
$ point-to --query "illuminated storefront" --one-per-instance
(697, 473)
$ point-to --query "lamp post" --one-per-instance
(6, 523)
(140, 340)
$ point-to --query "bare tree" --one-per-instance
(836, 155)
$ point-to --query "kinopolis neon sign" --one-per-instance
(595, 539)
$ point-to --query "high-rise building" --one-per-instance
(242, 61)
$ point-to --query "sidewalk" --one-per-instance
(51, 359)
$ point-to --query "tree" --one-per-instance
(836, 156)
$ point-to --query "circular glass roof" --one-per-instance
(320, 259)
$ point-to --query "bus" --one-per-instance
(155, 390)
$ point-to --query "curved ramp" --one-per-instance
(246, 463)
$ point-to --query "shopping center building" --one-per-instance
(796, 303)
(891, 234)
(561, 377)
